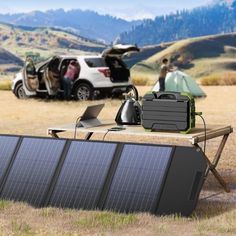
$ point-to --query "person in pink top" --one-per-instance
(69, 77)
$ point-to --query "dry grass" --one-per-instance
(143, 78)
(213, 216)
(227, 78)
(5, 84)
(143, 81)
(22, 219)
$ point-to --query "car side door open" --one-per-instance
(51, 76)
(30, 78)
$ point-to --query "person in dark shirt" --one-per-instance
(69, 77)
(165, 68)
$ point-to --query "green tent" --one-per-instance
(178, 81)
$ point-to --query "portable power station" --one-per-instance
(168, 111)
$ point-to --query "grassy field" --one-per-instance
(216, 210)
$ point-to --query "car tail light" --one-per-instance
(106, 72)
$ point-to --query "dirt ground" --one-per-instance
(34, 116)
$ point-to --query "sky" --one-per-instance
(126, 9)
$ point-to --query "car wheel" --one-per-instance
(20, 92)
(83, 92)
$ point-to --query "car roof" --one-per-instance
(38, 65)
(80, 56)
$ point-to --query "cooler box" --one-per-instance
(168, 111)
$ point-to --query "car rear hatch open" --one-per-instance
(119, 50)
(113, 58)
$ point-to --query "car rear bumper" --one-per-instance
(114, 89)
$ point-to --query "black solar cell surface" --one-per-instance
(136, 185)
(7, 148)
(32, 170)
(83, 175)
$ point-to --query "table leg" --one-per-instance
(212, 165)
(53, 133)
(88, 135)
(220, 150)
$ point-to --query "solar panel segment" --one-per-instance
(7, 148)
(32, 170)
(137, 182)
(83, 174)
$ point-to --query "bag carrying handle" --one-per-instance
(132, 88)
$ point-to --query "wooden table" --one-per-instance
(196, 136)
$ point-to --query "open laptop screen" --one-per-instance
(89, 117)
(92, 112)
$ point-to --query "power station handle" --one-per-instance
(166, 95)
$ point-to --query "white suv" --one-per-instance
(104, 74)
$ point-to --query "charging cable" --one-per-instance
(204, 123)
(105, 134)
(76, 123)
(117, 128)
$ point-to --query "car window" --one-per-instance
(95, 62)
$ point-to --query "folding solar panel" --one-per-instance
(32, 170)
(83, 174)
(139, 177)
(121, 177)
(7, 148)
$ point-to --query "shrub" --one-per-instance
(210, 80)
(142, 81)
(35, 56)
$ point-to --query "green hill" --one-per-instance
(46, 41)
(145, 52)
(199, 57)
(9, 62)
(8, 58)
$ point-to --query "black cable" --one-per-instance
(204, 149)
(117, 128)
(76, 123)
(210, 196)
(105, 135)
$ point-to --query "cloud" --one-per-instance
(5, 8)
(147, 11)
(134, 13)
(128, 10)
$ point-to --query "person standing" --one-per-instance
(165, 68)
(69, 77)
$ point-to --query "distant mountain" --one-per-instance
(88, 24)
(218, 18)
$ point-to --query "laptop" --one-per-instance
(89, 118)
